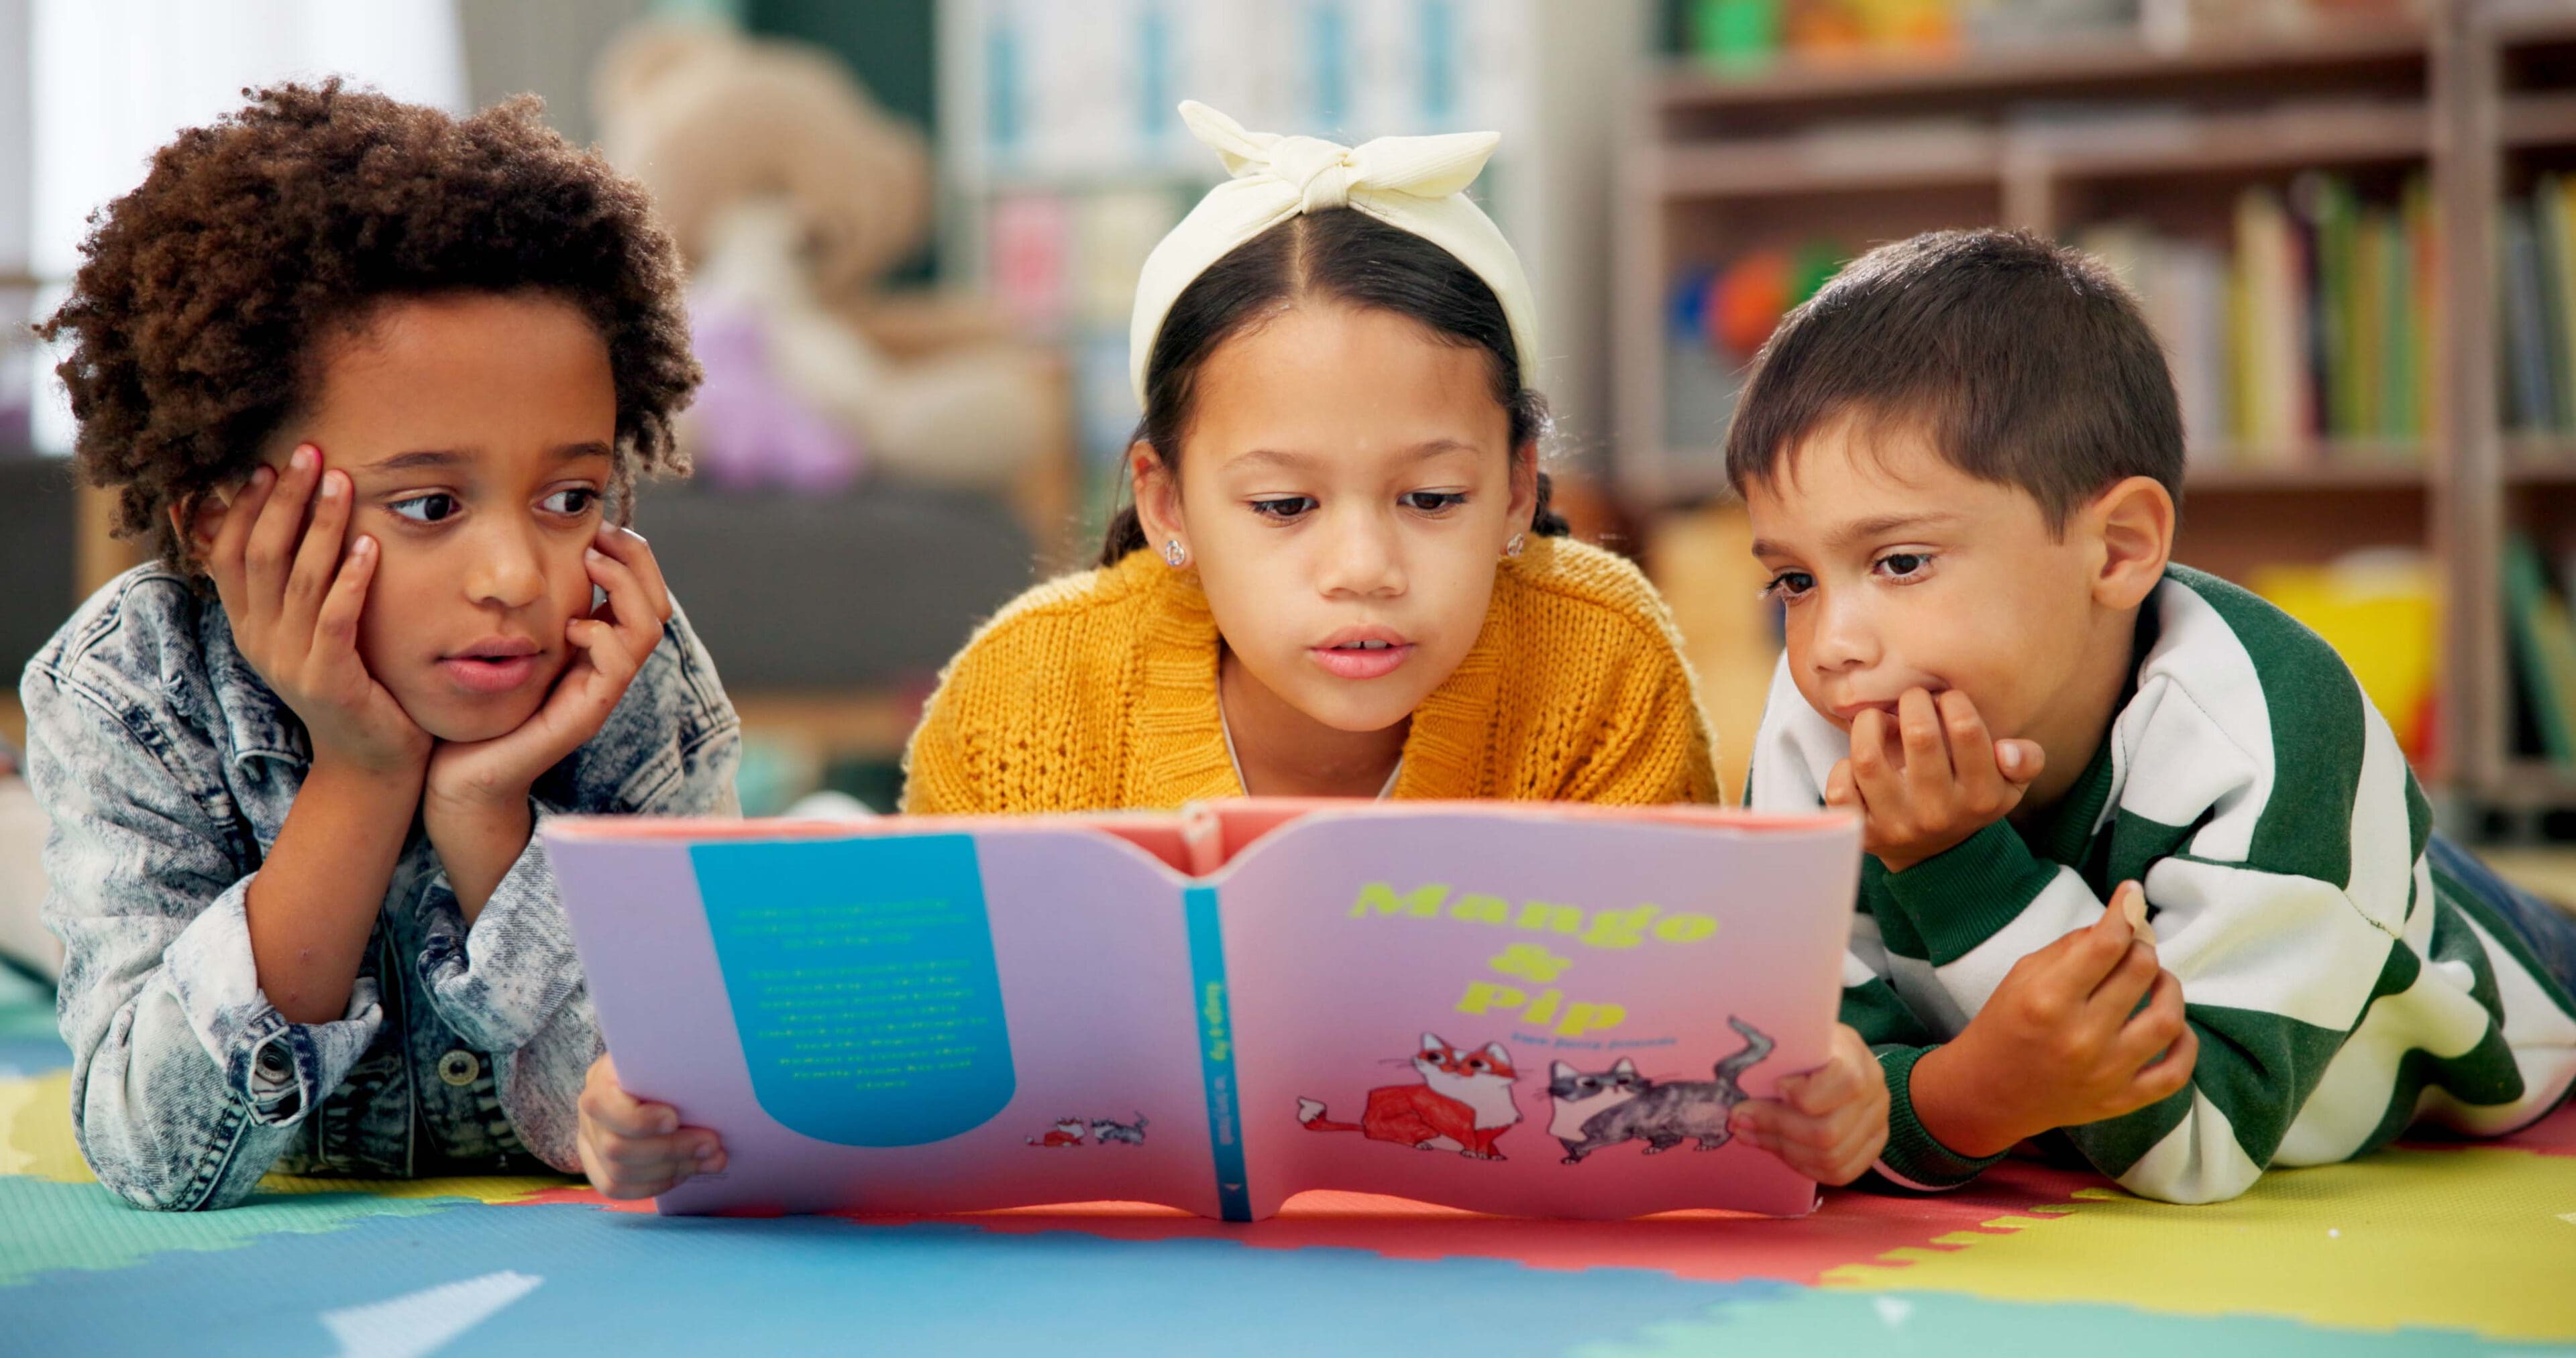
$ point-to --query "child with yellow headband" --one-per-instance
(1341, 576)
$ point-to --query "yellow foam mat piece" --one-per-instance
(2467, 1239)
(36, 1141)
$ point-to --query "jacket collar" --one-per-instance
(257, 723)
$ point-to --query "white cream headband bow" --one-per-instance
(1416, 184)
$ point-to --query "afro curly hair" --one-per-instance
(194, 319)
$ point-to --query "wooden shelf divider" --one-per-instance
(2054, 137)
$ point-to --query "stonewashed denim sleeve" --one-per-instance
(510, 984)
(186, 1083)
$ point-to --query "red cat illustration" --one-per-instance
(1067, 1132)
(1463, 1104)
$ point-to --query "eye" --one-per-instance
(1789, 586)
(1903, 567)
(430, 508)
(570, 500)
(1432, 501)
(1284, 508)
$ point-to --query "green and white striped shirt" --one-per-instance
(2342, 989)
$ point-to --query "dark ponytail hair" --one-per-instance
(1338, 255)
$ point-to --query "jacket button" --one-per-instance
(460, 1068)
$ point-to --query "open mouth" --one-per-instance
(1369, 653)
(493, 666)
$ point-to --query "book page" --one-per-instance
(899, 1016)
(1530, 1012)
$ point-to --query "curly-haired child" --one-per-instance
(376, 382)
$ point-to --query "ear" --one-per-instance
(1158, 496)
(195, 521)
(1625, 1067)
(2130, 528)
(1495, 1050)
(1516, 518)
(1432, 1042)
(1559, 1070)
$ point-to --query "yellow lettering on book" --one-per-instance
(1563, 919)
(1530, 960)
(1487, 997)
(1420, 902)
(1625, 928)
(1590, 1018)
(1620, 928)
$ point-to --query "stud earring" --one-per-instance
(1174, 554)
(1513, 547)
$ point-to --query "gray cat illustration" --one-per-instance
(1104, 1131)
(1619, 1105)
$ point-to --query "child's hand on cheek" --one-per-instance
(1928, 778)
(1829, 1123)
(293, 600)
(476, 809)
(634, 1149)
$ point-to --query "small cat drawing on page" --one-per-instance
(1104, 1131)
(1594, 1110)
(1066, 1132)
(1577, 1095)
(1463, 1104)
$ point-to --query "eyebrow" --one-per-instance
(449, 457)
(1419, 452)
(1862, 530)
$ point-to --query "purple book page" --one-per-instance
(1405, 985)
(1089, 957)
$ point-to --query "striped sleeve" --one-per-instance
(2271, 819)
(2266, 809)
(2282, 911)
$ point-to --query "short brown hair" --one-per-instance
(193, 319)
(2025, 363)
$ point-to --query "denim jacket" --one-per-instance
(167, 766)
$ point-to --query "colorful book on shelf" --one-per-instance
(2544, 641)
(2275, 393)
(2527, 372)
(1505, 1008)
(2327, 227)
(2551, 226)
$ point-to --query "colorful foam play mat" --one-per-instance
(2430, 1248)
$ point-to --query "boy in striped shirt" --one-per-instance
(2146, 868)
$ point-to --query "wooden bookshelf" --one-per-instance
(2061, 137)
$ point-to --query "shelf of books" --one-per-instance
(2514, 650)
(2264, 175)
(1063, 161)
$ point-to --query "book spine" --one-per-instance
(1216, 1050)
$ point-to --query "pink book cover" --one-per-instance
(1522, 1009)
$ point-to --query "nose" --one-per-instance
(1844, 636)
(507, 569)
(1363, 556)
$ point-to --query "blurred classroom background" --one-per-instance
(914, 226)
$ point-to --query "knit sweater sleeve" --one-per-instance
(1029, 715)
(1654, 745)
(939, 775)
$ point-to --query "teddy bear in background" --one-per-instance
(790, 193)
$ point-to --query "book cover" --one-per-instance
(2526, 371)
(1529, 1010)
(2544, 638)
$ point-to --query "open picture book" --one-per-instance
(1525, 1009)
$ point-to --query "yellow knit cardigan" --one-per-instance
(1098, 691)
